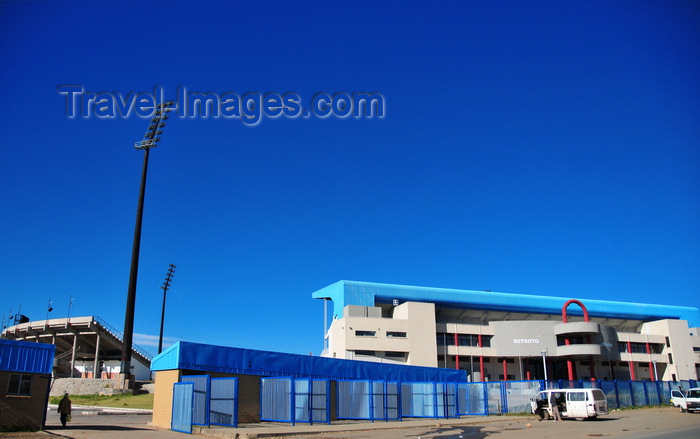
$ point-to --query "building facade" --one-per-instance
(502, 336)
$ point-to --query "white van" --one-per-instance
(573, 403)
(687, 402)
(678, 400)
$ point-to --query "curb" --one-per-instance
(97, 410)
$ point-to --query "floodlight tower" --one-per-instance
(165, 286)
(150, 140)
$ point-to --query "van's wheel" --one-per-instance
(683, 410)
(542, 413)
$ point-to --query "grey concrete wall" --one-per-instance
(80, 386)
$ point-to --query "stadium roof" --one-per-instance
(345, 292)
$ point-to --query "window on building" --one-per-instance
(656, 348)
(668, 342)
(446, 339)
(393, 354)
(622, 346)
(362, 333)
(20, 384)
(366, 353)
(561, 340)
(670, 359)
(696, 349)
(639, 348)
(396, 334)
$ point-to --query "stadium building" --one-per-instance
(502, 336)
(86, 347)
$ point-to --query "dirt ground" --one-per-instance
(618, 424)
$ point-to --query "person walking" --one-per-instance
(554, 404)
(64, 409)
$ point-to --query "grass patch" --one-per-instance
(141, 401)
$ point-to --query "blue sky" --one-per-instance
(531, 147)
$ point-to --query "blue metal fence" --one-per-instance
(200, 414)
(517, 395)
(354, 399)
(181, 419)
(321, 401)
(276, 399)
(294, 400)
(419, 400)
(223, 402)
(628, 393)
(472, 399)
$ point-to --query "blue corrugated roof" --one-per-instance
(23, 356)
(367, 294)
(210, 358)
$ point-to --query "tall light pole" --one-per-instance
(165, 286)
(149, 141)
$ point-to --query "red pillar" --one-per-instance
(527, 369)
(456, 351)
(651, 365)
(505, 370)
(569, 363)
(631, 363)
(481, 361)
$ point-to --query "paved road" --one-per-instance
(651, 423)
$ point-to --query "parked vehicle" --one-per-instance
(678, 400)
(573, 403)
(688, 402)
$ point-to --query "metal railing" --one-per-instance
(117, 334)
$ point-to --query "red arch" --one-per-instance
(565, 319)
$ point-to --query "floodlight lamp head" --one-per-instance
(145, 144)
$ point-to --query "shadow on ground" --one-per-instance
(452, 432)
(55, 429)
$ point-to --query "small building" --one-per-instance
(251, 366)
(25, 381)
